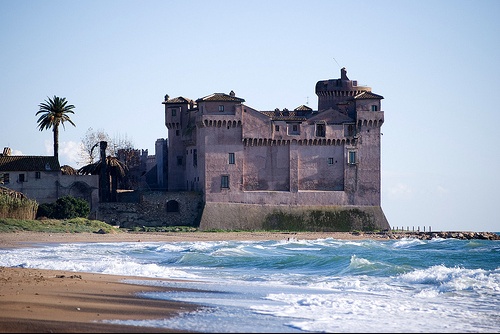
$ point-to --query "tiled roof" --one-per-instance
(179, 99)
(303, 107)
(220, 97)
(28, 163)
(368, 95)
(331, 116)
(285, 115)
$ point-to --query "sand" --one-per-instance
(41, 301)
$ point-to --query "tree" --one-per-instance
(110, 169)
(121, 142)
(89, 154)
(53, 113)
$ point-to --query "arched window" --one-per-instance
(172, 206)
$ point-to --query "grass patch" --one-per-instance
(163, 229)
(73, 225)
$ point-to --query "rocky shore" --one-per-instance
(443, 234)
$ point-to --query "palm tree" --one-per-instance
(54, 112)
(114, 170)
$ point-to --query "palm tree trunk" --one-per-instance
(56, 141)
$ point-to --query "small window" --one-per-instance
(38, 175)
(22, 178)
(179, 160)
(224, 182)
(293, 129)
(195, 158)
(350, 130)
(374, 108)
(231, 158)
(276, 128)
(174, 112)
(177, 132)
(351, 158)
(6, 178)
(330, 161)
(221, 108)
(320, 130)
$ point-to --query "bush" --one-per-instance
(45, 210)
(64, 208)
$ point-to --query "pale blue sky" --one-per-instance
(437, 64)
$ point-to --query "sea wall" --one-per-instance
(233, 216)
(158, 208)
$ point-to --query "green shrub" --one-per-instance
(65, 207)
(45, 210)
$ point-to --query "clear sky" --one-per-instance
(436, 63)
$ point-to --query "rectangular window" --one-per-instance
(37, 175)
(174, 112)
(6, 178)
(276, 128)
(351, 158)
(374, 108)
(22, 178)
(350, 130)
(224, 181)
(231, 158)
(177, 132)
(179, 160)
(195, 158)
(293, 129)
(320, 130)
(330, 161)
(221, 108)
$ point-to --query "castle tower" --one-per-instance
(339, 93)
(176, 118)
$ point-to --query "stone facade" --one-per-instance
(152, 208)
(40, 178)
(279, 160)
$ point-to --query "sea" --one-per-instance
(300, 286)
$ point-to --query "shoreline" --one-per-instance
(29, 238)
(40, 300)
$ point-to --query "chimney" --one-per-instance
(7, 151)
(343, 74)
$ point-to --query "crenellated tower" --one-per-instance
(248, 165)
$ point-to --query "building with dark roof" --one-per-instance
(41, 178)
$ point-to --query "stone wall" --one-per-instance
(158, 208)
(232, 216)
(153, 208)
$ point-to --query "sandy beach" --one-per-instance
(41, 301)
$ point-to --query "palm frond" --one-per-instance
(68, 170)
(115, 167)
(90, 169)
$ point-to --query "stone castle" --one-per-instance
(302, 168)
